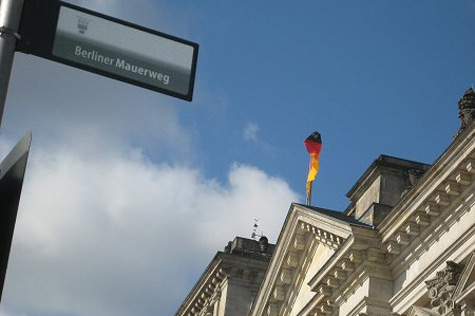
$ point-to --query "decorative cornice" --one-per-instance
(443, 170)
(224, 266)
(416, 287)
(446, 186)
(206, 290)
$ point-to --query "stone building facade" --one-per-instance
(404, 246)
(231, 281)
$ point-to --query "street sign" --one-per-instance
(107, 46)
(12, 171)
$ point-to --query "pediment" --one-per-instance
(466, 285)
(310, 238)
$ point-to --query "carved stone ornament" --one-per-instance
(205, 311)
(413, 176)
(442, 287)
(466, 109)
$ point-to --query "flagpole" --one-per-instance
(309, 194)
(313, 144)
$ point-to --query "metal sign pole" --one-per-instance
(10, 15)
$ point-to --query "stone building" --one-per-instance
(230, 282)
(404, 246)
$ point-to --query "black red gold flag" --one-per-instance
(313, 143)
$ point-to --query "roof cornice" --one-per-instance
(222, 266)
(456, 152)
(439, 192)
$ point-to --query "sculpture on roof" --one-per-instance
(263, 243)
(466, 109)
(413, 176)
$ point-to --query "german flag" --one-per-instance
(313, 143)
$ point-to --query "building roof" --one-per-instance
(335, 215)
(388, 163)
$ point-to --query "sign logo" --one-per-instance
(82, 24)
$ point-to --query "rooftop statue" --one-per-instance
(466, 109)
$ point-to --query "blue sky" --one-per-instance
(373, 77)
(129, 193)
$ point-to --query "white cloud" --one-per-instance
(250, 132)
(113, 220)
(117, 234)
(69, 104)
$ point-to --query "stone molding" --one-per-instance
(417, 288)
(223, 268)
(423, 211)
(460, 151)
(208, 294)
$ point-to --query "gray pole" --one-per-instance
(10, 15)
(309, 194)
